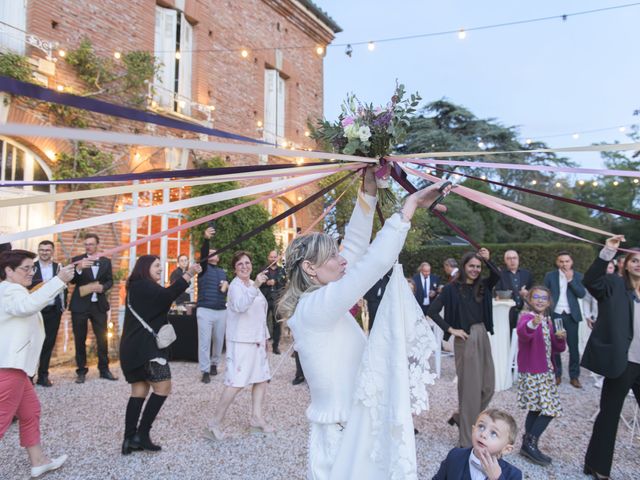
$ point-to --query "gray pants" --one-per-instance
(476, 378)
(211, 327)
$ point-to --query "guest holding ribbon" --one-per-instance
(246, 338)
(613, 349)
(144, 362)
(537, 390)
(21, 337)
(468, 316)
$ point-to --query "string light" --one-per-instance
(462, 34)
(244, 53)
(622, 129)
(60, 88)
(635, 180)
(117, 55)
(62, 53)
(528, 141)
(371, 46)
(300, 161)
(595, 184)
(259, 123)
(51, 155)
(616, 183)
(580, 182)
(534, 182)
(558, 184)
(320, 50)
(178, 55)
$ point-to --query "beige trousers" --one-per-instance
(476, 379)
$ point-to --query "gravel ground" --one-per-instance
(86, 422)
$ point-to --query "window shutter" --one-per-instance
(165, 52)
(270, 105)
(280, 115)
(186, 68)
(14, 13)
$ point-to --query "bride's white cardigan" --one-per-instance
(327, 338)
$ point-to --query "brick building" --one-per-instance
(252, 67)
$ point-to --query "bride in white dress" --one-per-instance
(362, 391)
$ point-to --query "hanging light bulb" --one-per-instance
(259, 123)
(462, 34)
(558, 184)
(371, 46)
(622, 129)
(528, 141)
(320, 50)
(616, 183)
(533, 182)
(62, 53)
(178, 55)
(580, 182)
(635, 180)
(117, 55)
(244, 53)
(348, 51)
(576, 136)
(595, 184)
(60, 88)
(307, 133)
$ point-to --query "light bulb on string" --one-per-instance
(60, 88)
(576, 136)
(462, 34)
(371, 46)
(616, 183)
(117, 55)
(622, 129)
(528, 141)
(580, 182)
(534, 182)
(178, 55)
(62, 53)
(320, 50)
(635, 180)
(595, 184)
(259, 123)
(558, 184)
(244, 53)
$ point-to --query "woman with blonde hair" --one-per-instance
(317, 300)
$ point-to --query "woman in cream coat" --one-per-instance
(317, 300)
(246, 339)
(21, 338)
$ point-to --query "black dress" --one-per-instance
(137, 345)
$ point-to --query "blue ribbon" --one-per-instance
(16, 87)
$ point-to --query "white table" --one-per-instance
(501, 343)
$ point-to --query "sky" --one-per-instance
(550, 79)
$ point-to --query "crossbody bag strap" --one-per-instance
(135, 314)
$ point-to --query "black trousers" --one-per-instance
(276, 327)
(571, 326)
(51, 318)
(603, 438)
(79, 321)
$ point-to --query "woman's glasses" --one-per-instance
(27, 269)
(537, 296)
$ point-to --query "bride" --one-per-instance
(348, 395)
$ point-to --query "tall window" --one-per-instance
(19, 164)
(274, 107)
(173, 46)
(13, 15)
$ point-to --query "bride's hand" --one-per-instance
(370, 186)
(424, 198)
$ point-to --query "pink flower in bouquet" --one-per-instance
(346, 121)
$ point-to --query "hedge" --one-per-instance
(538, 258)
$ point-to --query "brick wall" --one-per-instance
(234, 85)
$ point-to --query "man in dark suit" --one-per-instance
(426, 286)
(94, 274)
(272, 290)
(374, 297)
(566, 288)
(516, 279)
(45, 270)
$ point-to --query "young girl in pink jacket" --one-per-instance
(537, 392)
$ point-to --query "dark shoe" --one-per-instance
(530, 450)
(275, 350)
(575, 383)
(130, 445)
(415, 431)
(558, 380)
(590, 471)
(213, 370)
(44, 381)
(206, 378)
(454, 420)
(107, 375)
(297, 381)
(145, 443)
(81, 377)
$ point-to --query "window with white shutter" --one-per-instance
(173, 35)
(13, 15)
(274, 107)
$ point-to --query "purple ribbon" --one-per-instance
(16, 87)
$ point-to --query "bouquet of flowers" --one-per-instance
(368, 131)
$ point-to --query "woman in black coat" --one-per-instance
(613, 349)
(144, 364)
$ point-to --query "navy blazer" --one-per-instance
(419, 293)
(61, 299)
(575, 290)
(525, 280)
(456, 467)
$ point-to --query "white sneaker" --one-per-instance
(52, 465)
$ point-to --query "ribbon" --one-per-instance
(164, 208)
(417, 158)
(144, 187)
(277, 218)
(99, 136)
(581, 203)
(16, 87)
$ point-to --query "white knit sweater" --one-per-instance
(21, 328)
(327, 337)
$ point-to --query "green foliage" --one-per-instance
(15, 66)
(141, 68)
(87, 161)
(69, 116)
(91, 68)
(230, 227)
(538, 258)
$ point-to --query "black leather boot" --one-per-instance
(530, 450)
(144, 441)
(130, 445)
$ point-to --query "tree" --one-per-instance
(232, 226)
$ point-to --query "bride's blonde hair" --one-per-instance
(316, 248)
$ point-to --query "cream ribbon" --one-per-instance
(164, 208)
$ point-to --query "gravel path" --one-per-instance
(86, 422)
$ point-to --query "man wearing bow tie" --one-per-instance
(93, 278)
(45, 270)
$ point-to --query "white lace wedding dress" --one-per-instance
(378, 441)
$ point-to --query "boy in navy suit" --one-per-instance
(493, 436)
